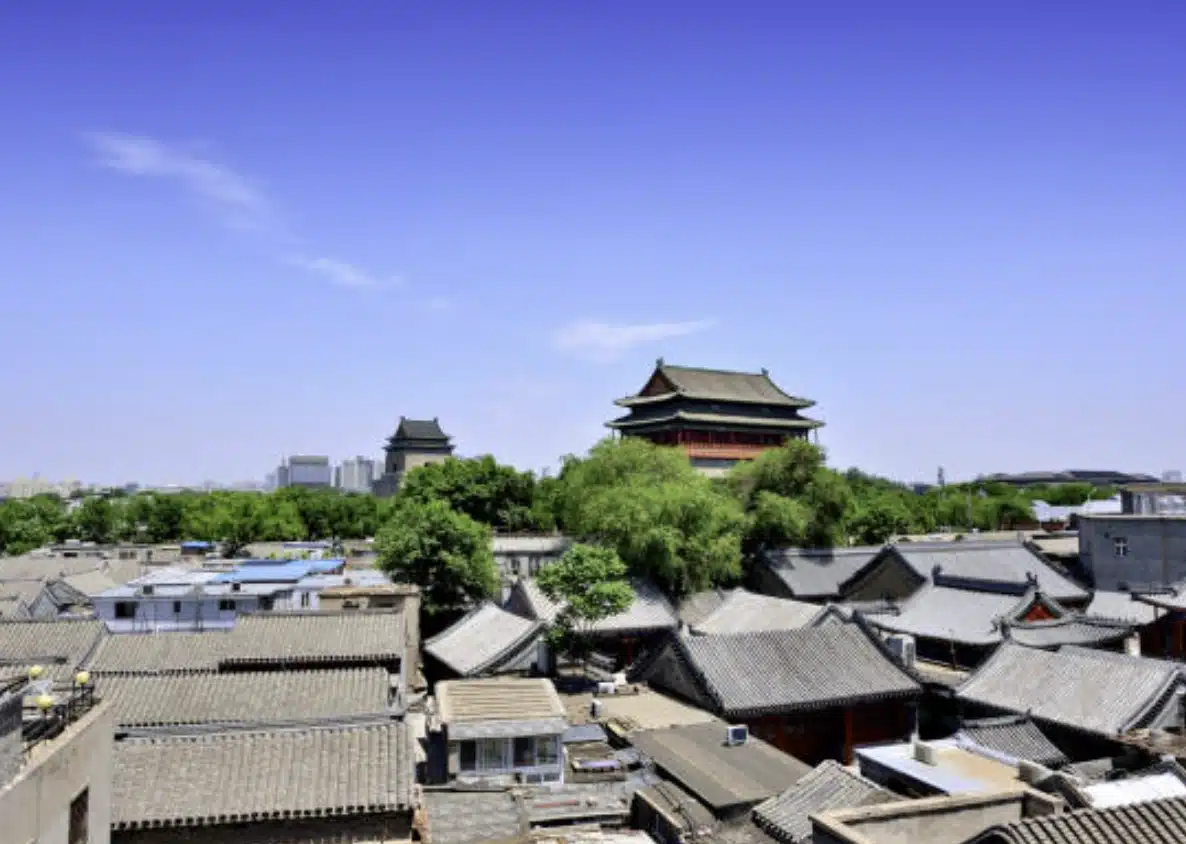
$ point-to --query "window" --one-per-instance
(524, 752)
(226, 605)
(469, 755)
(304, 600)
(79, 812)
(177, 608)
(492, 754)
(545, 750)
(349, 605)
(1120, 546)
(265, 603)
(125, 609)
(534, 565)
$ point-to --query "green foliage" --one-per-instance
(446, 553)
(591, 581)
(879, 517)
(647, 503)
(95, 521)
(499, 496)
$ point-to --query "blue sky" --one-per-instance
(236, 230)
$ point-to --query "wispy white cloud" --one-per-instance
(606, 341)
(236, 199)
(343, 274)
(239, 203)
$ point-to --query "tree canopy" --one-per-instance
(446, 553)
(495, 495)
(591, 582)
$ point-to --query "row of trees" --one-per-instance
(659, 517)
(664, 520)
(234, 519)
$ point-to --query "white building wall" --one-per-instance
(36, 806)
(158, 613)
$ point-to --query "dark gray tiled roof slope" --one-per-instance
(1013, 736)
(746, 612)
(959, 615)
(1154, 822)
(480, 639)
(788, 670)
(650, 610)
(249, 776)
(1073, 630)
(817, 573)
(68, 641)
(248, 696)
(1122, 606)
(987, 563)
(829, 786)
(310, 637)
(420, 429)
(1095, 691)
(375, 637)
(725, 385)
(470, 817)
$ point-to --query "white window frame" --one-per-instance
(1120, 546)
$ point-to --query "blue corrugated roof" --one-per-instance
(197, 546)
(326, 566)
(288, 571)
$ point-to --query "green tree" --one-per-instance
(664, 519)
(591, 583)
(879, 517)
(95, 520)
(446, 553)
(22, 527)
(499, 496)
(239, 520)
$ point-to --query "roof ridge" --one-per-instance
(225, 731)
(761, 373)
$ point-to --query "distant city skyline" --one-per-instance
(229, 228)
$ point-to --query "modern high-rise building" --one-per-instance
(356, 475)
(305, 470)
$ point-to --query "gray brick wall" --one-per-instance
(1133, 550)
(11, 744)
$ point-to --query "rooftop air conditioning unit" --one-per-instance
(1031, 773)
(236, 587)
(736, 734)
(925, 753)
(903, 647)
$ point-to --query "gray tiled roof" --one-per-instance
(829, 786)
(1122, 606)
(352, 637)
(149, 653)
(67, 641)
(746, 612)
(374, 636)
(720, 775)
(817, 573)
(481, 639)
(470, 817)
(247, 696)
(959, 615)
(1012, 736)
(1154, 822)
(1072, 630)
(988, 565)
(420, 429)
(1094, 691)
(723, 385)
(650, 610)
(248, 776)
(1173, 598)
(783, 671)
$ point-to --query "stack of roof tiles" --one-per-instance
(245, 776)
